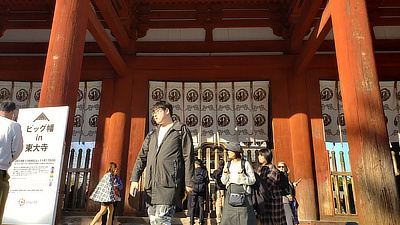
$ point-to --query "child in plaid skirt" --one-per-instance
(105, 194)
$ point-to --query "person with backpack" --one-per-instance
(238, 206)
(198, 194)
(274, 213)
(220, 190)
(167, 154)
(289, 195)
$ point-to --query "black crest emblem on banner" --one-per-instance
(207, 121)
(326, 94)
(260, 94)
(80, 95)
(192, 120)
(208, 95)
(5, 94)
(223, 120)
(259, 120)
(36, 96)
(78, 121)
(175, 118)
(94, 94)
(21, 95)
(174, 95)
(340, 120)
(192, 95)
(242, 95)
(157, 94)
(224, 95)
(385, 93)
(327, 119)
(242, 120)
(93, 120)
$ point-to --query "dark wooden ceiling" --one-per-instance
(290, 19)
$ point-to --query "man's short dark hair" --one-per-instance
(163, 105)
(7, 106)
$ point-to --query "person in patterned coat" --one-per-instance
(104, 193)
(274, 213)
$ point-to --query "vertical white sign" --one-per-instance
(35, 175)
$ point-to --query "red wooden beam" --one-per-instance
(114, 23)
(310, 9)
(386, 45)
(314, 41)
(209, 47)
(105, 43)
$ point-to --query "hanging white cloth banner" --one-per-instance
(157, 92)
(35, 94)
(243, 111)
(260, 110)
(174, 93)
(20, 95)
(192, 110)
(330, 110)
(78, 119)
(91, 111)
(225, 112)
(208, 113)
(5, 90)
(388, 95)
(216, 111)
(27, 95)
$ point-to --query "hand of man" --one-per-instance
(133, 186)
(188, 189)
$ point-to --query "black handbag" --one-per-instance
(236, 199)
(236, 195)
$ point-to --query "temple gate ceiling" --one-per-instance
(290, 22)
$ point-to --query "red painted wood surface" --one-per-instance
(301, 147)
(139, 109)
(375, 186)
(280, 114)
(321, 156)
(63, 66)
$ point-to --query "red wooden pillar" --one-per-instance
(63, 65)
(138, 127)
(375, 187)
(321, 156)
(280, 114)
(116, 139)
(303, 162)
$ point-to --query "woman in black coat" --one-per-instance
(274, 213)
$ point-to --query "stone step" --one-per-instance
(126, 220)
(78, 218)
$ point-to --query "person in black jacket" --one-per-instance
(167, 154)
(199, 191)
(220, 190)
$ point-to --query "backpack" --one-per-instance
(284, 183)
(217, 176)
(200, 180)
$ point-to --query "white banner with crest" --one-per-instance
(217, 111)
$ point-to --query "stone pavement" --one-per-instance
(79, 218)
(86, 218)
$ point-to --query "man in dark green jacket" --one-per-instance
(168, 155)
